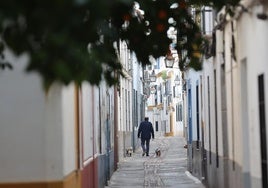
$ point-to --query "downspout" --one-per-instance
(116, 90)
(116, 159)
(95, 182)
(100, 123)
(133, 117)
(134, 106)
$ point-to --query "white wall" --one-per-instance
(209, 115)
(87, 120)
(22, 124)
(53, 133)
(68, 117)
(230, 84)
(254, 50)
(37, 128)
(194, 78)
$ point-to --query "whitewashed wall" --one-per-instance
(22, 124)
(193, 78)
(37, 128)
(208, 92)
(87, 121)
(125, 120)
(137, 84)
(68, 129)
(254, 51)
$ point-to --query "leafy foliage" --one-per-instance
(73, 40)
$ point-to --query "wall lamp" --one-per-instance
(177, 80)
(169, 60)
(152, 76)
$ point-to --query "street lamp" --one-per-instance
(177, 80)
(153, 89)
(152, 76)
(169, 60)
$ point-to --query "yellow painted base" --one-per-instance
(169, 134)
(73, 180)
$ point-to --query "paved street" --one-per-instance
(168, 170)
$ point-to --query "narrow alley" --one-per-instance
(79, 78)
(167, 170)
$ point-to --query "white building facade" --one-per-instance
(232, 93)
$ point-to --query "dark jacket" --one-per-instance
(146, 130)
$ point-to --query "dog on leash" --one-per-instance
(158, 152)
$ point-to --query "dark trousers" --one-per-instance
(145, 144)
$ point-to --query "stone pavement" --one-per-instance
(168, 170)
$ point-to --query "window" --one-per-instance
(180, 112)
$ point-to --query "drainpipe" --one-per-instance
(133, 117)
(115, 128)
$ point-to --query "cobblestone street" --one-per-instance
(168, 170)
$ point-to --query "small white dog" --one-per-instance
(129, 152)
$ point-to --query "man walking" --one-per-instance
(145, 132)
